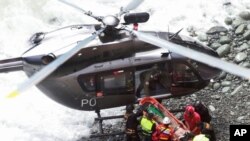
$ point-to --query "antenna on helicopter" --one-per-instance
(192, 54)
(174, 35)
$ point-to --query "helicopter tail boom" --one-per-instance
(13, 64)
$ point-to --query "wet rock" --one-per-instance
(216, 29)
(248, 26)
(245, 15)
(215, 45)
(240, 57)
(243, 47)
(227, 3)
(245, 64)
(223, 50)
(226, 83)
(225, 89)
(228, 21)
(211, 108)
(222, 75)
(239, 119)
(246, 35)
(224, 40)
(216, 97)
(216, 86)
(236, 90)
(240, 29)
(237, 22)
(202, 37)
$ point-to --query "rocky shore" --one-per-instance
(227, 97)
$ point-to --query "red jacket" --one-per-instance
(192, 121)
(163, 133)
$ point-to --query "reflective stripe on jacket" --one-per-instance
(146, 126)
(162, 133)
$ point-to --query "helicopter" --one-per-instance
(100, 66)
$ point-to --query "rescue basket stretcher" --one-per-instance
(159, 111)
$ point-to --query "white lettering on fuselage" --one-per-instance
(88, 102)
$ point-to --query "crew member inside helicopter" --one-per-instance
(150, 81)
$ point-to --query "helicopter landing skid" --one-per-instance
(100, 119)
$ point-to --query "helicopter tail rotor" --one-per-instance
(47, 70)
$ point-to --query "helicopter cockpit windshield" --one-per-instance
(205, 71)
(185, 78)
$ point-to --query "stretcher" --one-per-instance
(159, 111)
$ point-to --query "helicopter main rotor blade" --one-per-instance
(195, 55)
(47, 70)
(88, 13)
(131, 6)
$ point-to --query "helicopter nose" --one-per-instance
(111, 21)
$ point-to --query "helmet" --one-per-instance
(130, 108)
(166, 120)
(190, 109)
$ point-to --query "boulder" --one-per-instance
(223, 50)
(240, 57)
(228, 21)
(246, 35)
(224, 40)
(245, 15)
(216, 29)
(240, 29)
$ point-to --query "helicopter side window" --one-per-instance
(117, 82)
(88, 83)
(183, 73)
(111, 82)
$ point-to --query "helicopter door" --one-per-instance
(152, 79)
(118, 82)
(185, 79)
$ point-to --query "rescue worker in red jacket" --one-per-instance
(163, 132)
(192, 120)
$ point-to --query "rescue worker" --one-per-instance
(131, 124)
(208, 130)
(163, 132)
(148, 125)
(202, 110)
(149, 80)
(200, 137)
(192, 120)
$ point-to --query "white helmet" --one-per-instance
(166, 120)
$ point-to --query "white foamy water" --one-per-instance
(34, 117)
